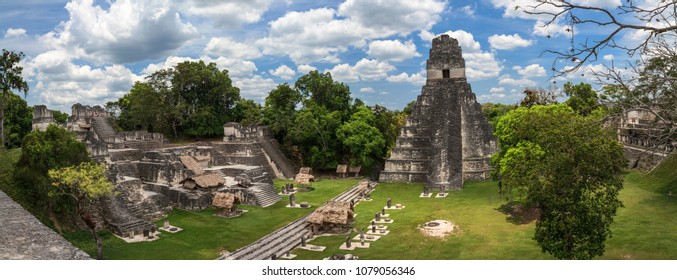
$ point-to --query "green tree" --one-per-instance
(534, 97)
(279, 111)
(18, 121)
(10, 78)
(326, 92)
(582, 98)
(193, 98)
(40, 152)
(568, 166)
(84, 184)
(60, 117)
(247, 112)
(493, 112)
(315, 134)
(364, 142)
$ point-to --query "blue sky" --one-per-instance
(91, 52)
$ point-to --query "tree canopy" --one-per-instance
(84, 183)
(192, 98)
(569, 167)
(18, 121)
(10, 79)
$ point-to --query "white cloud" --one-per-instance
(223, 46)
(497, 90)
(235, 67)
(416, 79)
(15, 32)
(61, 83)
(305, 68)
(479, 64)
(468, 11)
(372, 70)
(533, 70)
(255, 87)
(393, 50)
(599, 3)
(554, 29)
(367, 90)
(517, 8)
(320, 35)
(508, 42)
(126, 32)
(426, 36)
(609, 57)
(227, 13)
(523, 82)
(395, 16)
(283, 72)
(363, 70)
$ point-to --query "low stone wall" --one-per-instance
(23, 237)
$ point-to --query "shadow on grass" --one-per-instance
(518, 214)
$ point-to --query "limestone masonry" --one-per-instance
(446, 139)
(152, 176)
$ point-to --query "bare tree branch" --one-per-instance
(655, 21)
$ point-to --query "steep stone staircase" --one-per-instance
(102, 128)
(265, 194)
(272, 149)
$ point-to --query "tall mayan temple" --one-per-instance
(446, 139)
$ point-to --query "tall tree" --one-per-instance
(247, 112)
(568, 166)
(18, 121)
(324, 91)
(10, 78)
(84, 184)
(364, 141)
(582, 98)
(42, 151)
(279, 111)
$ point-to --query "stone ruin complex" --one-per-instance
(152, 176)
(446, 139)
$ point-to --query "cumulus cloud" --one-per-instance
(223, 46)
(227, 13)
(395, 16)
(15, 32)
(254, 87)
(305, 68)
(393, 50)
(523, 82)
(128, 31)
(533, 70)
(320, 35)
(363, 70)
(61, 83)
(416, 79)
(609, 57)
(367, 90)
(235, 67)
(497, 90)
(508, 42)
(283, 72)
(554, 29)
(468, 11)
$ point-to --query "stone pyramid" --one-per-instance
(446, 139)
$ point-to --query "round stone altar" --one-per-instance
(437, 228)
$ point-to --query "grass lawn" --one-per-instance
(645, 228)
(204, 235)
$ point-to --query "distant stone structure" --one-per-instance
(253, 145)
(642, 144)
(446, 139)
